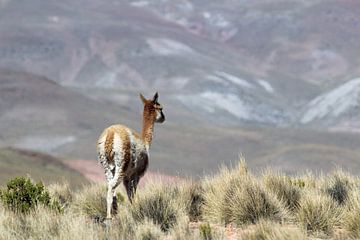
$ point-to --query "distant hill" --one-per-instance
(37, 113)
(16, 163)
(232, 62)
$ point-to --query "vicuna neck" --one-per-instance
(147, 128)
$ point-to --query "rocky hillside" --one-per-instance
(272, 79)
(230, 62)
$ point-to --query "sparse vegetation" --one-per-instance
(231, 204)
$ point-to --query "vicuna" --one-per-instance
(124, 154)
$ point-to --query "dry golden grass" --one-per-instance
(351, 219)
(237, 204)
(318, 213)
(285, 189)
(266, 230)
(234, 196)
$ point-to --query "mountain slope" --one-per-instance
(15, 163)
(337, 108)
(269, 58)
(39, 114)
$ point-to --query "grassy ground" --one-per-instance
(233, 204)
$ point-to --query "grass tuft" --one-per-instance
(192, 197)
(236, 197)
(338, 187)
(318, 213)
(91, 201)
(351, 219)
(284, 189)
(159, 204)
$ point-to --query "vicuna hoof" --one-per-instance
(107, 221)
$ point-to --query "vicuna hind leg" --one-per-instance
(130, 186)
(110, 172)
(112, 184)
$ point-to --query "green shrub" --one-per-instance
(205, 231)
(22, 195)
(283, 189)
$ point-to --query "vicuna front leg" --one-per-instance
(130, 186)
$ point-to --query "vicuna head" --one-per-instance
(152, 109)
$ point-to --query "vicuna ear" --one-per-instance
(156, 96)
(143, 99)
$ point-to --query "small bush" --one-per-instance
(265, 230)
(283, 189)
(22, 195)
(318, 213)
(159, 204)
(205, 231)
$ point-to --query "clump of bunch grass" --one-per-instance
(234, 196)
(91, 201)
(266, 230)
(351, 219)
(192, 197)
(249, 203)
(158, 203)
(318, 213)
(338, 187)
(22, 195)
(61, 193)
(283, 189)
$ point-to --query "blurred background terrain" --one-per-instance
(278, 81)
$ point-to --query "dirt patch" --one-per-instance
(94, 172)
